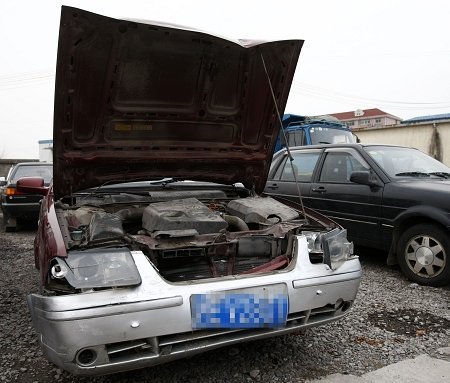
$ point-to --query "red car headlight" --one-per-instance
(96, 268)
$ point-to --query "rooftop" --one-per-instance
(362, 113)
(433, 117)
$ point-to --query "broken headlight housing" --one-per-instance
(334, 246)
(97, 269)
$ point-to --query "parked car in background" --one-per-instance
(2, 184)
(154, 242)
(21, 206)
(388, 197)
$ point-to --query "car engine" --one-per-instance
(186, 237)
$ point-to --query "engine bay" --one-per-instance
(189, 237)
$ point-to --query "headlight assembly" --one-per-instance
(97, 269)
(334, 246)
(314, 239)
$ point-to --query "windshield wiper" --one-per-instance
(413, 174)
(440, 174)
(116, 187)
(164, 181)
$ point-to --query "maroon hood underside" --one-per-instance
(137, 101)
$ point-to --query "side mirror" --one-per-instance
(364, 177)
(31, 185)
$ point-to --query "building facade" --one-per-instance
(367, 119)
(46, 150)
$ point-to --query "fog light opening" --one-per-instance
(339, 303)
(345, 306)
(86, 357)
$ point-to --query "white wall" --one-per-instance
(46, 151)
(418, 136)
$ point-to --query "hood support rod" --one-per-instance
(291, 159)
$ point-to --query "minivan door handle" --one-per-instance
(273, 186)
(320, 189)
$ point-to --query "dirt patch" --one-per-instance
(409, 322)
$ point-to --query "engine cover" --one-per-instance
(181, 215)
(263, 210)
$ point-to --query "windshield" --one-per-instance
(323, 135)
(406, 162)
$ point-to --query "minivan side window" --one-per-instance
(303, 165)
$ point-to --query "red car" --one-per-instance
(154, 242)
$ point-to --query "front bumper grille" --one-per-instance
(169, 347)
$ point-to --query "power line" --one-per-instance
(331, 95)
(381, 55)
(27, 79)
(26, 75)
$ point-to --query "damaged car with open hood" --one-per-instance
(154, 242)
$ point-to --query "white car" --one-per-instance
(154, 241)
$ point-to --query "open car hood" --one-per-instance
(138, 101)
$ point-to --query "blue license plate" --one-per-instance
(247, 308)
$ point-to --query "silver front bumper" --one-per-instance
(115, 330)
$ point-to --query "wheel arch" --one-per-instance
(414, 216)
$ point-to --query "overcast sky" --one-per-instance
(358, 54)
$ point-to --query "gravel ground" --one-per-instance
(392, 320)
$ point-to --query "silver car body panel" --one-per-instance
(149, 324)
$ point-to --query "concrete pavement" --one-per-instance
(422, 369)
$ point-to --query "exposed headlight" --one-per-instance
(334, 246)
(96, 269)
(314, 240)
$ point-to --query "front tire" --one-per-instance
(423, 253)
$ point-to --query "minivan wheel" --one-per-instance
(423, 255)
